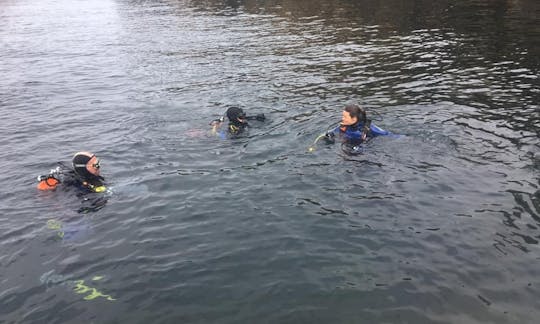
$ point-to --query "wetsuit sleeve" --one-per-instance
(334, 131)
(377, 131)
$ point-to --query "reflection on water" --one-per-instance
(438, 226)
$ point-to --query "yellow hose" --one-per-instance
(312, 147)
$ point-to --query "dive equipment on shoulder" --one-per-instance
(49, 181)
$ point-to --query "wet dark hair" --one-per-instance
(355, 111)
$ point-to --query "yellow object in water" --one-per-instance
(54, 224)
(81, 288)
(312, 147)
(100, 189)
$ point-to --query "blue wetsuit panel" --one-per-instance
(377, 131)
(356, 132)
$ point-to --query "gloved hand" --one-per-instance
(330, 138)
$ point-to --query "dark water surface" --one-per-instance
(440, 226)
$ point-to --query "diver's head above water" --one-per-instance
(237, 116)
(86, 165)
(85, 174)
(352, 115)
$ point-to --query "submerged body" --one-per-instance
(231, 130)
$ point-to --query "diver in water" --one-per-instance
(238, 122)
(355, 128)
(84, 176)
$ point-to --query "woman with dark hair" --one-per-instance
(355, 128)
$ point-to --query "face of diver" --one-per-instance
(347, 120)
(93, 166)
(241, 119)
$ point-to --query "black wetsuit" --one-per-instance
(91, 190)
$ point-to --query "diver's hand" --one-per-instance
(330, 138)
(259, 117)
(216, 122)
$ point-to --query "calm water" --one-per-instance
(439, 226)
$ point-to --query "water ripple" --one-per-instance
(440, 225)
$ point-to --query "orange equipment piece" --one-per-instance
(48, 183)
